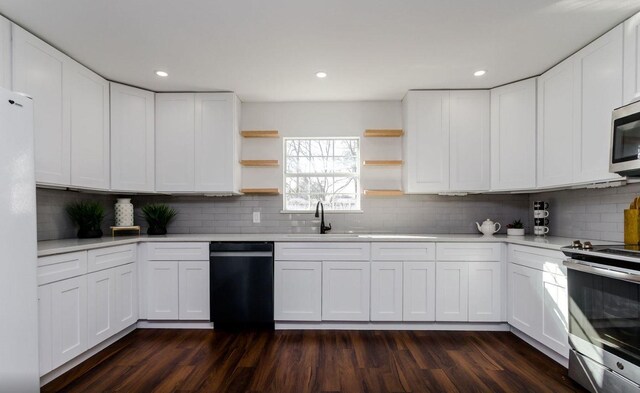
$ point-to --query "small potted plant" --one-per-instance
(516, 228)
(158, 216)
(87, 216)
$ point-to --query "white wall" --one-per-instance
(321, 119)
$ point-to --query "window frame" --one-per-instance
(356, 175)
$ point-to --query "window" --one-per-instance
(322, 169)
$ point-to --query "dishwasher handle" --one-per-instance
(241, 254)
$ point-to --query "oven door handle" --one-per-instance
(599, 271)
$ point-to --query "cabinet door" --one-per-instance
(452, 291)
(175, 146)
(525, 301)
(101, 305)
(470, 132)
(485, 287)
(419, 291)
(69, 319)
(426, 141)
(216, 134)
(345, 291)
(162, 290)
(555, 314)
(298, 291)
(513, 136)
(132, 139)
(37, 71)
(632, 59)
(5, 53)
(194, 290)
(86, 115)
(597, 92)
(555, 125)
(126, 298)
(386, 291)
(45, 328)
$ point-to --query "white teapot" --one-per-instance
(488, 227)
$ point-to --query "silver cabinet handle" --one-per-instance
(598, 271)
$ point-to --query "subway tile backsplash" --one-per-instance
(581, 214)
(406, 214)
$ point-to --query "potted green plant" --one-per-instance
(516, 228)
(158, 216)
(87, 216)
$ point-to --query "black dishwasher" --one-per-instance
(241, 284)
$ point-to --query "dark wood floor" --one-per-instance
(316, 361)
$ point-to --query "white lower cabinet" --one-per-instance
(102, 306)
(126, 295)
(485, 289)
(45, 328)
(419, 291)
(538, 297)
(193, 290)
(525, 307)
(68, 319)
(162, 294)
(345, 290)
(452, 291)
(178, 290)
(386, 291)
(298, 291)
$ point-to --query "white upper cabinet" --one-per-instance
(426, 142)
(216, 142)
(197, 147)
(132, 139)
(513, 136)
(5, 53)
(175, 163)
(86, 116)
(632, 59)
(597, 91)
(555, 125)
(37, 71)
(470, 146)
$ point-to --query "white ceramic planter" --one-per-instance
(515, 231)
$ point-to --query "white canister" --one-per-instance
(124, 212)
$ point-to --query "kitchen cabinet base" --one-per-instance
(332, 325)
(541, 347)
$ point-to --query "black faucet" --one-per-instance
(320, 213)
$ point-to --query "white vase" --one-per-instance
(124, 212)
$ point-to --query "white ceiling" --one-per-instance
(269, 50)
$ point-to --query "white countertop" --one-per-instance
(51, 247)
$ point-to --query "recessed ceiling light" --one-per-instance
(479, 73)
(321, 74)
(163, 74)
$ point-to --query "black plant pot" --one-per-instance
(89, 233)
(157, 231)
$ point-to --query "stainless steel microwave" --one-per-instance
(625, 140)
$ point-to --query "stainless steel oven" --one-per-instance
(604, 318)
(625, 140)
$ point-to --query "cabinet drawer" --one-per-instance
(104, 258)
(468, 251)
(538, 258)
(403, 251)
(178, 251)
(322, 251)
(62, 266)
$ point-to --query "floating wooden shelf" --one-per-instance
(382, 163)
(260, 163)
(260, 191)
(383, 192)
(260, 134)
(384, 133)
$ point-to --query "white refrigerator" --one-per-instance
(18, 255)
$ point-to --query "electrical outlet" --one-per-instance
(256, 217)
